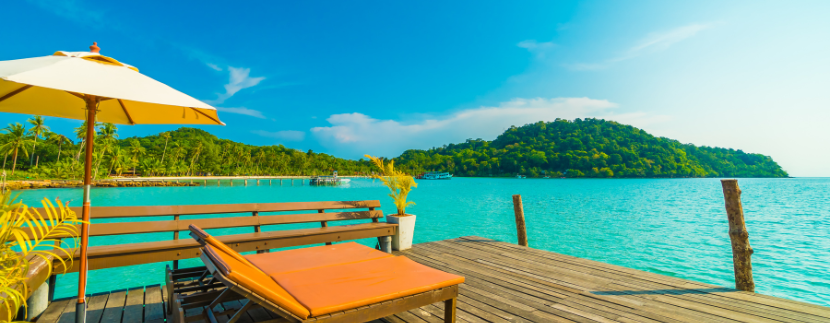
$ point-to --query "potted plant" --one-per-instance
(399, 185)
(27, 235)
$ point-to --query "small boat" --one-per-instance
(520, 176)
(436, 175)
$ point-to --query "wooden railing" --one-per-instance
(258, 240)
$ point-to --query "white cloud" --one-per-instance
(214, 66)
(653, 42)
(243, 111)
(285, 135)
(531, 44)
(535, 47)
(356, 134)
(662, 40)
(239, 79)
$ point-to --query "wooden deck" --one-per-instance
(509, 283)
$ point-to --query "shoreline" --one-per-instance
(144, 181)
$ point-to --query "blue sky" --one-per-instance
(379, 77)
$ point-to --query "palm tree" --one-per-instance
(37, 128)
(117, 157)
(156, 166)
(166, 136)
(107, 134)
(260, 156)
(17, 142)
(80, 133)
(135, 151)
(196, 151)
(58, 139)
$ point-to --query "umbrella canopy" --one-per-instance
(95, 88)
(52, 86)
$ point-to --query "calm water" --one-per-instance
(675, 227)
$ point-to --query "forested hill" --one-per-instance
(195, 151)
(586, 148)
(186, 151)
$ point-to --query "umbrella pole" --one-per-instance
(80, 308)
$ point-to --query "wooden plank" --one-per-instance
(101, 257)
(54, 310)
(739, 302)
(410, 318)
(468, 255)
(477, 271)
(68, 314)
(515, 287)
(426, 316)
(740, 307)
(115, 307)
(153, 304)
(134, 307)
(234, 306)
(95, 310)
(664, 309)
(102, 212)
(260, 314)
(119, 228)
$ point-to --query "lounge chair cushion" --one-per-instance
(337, 288)
(287, 261)
(210, 240)
(254, 280)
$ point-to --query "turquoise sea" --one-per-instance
(674, 227)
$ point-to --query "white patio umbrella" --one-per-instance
(92, 87)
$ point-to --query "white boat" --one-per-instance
(436, 175)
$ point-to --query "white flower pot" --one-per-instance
(402, 240)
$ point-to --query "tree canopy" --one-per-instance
(562, 148)
(186, 151)
(586, 148)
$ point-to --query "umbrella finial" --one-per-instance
(94, 48)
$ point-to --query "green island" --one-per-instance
(586, 148)
(562, 148)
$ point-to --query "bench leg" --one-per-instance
(52, 281)
(169, 282)
(385, 244)
(449, 310)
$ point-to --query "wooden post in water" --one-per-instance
(218, 182)
(741, 250)
(521, 230)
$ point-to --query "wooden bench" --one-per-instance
(173, 250)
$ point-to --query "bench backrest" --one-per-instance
(256, 220)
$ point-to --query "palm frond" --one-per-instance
(35, 236)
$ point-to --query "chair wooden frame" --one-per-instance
(233, 291)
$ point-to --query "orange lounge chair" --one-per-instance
(338, 283)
